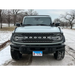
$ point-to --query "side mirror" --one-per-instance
(18, 24)
(57, 24)
(21, 23)
(53, 23)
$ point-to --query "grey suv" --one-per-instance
(37, 35)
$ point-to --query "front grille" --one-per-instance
(37, 38)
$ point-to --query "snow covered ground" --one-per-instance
(70, 37)
(6, 25)
(4, 36)
(5, 55)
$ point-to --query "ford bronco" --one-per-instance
(37, 35)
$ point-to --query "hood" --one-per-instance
(36, 29)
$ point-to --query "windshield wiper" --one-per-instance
(42, 25)
(26, 24)
(35, 25)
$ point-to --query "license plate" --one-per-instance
(37, 53)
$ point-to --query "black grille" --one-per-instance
(44, 38)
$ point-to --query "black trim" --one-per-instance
(59, 29)
(15, 29)
(37, 40)
(27, 49)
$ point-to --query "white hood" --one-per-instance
(37, 29)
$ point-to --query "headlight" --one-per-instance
(17, 37)
(57, 37)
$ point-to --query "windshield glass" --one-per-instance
(37, 21)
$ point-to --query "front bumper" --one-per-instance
(28, 49)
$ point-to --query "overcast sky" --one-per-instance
(54, 13)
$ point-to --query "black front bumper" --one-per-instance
(28, 49)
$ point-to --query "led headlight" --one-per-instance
(57, 37)
(18, 38)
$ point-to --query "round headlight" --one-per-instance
(18, 38)
(57, 37)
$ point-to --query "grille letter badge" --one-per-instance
(49, 37)
(35, 37)
(30, 37)
(44, 37)
(26, 37)
(39, 37)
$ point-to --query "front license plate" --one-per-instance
(37, 53)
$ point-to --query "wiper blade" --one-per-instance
(43, 24)
(26, 24)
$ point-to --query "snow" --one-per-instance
(6, 25)
(70, 37)
(48, 60)
(5, 55)
(4, 36)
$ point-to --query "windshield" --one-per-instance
(37, 21)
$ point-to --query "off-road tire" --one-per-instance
(59, 55)
(16, 55)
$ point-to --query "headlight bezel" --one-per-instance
(57, 37)
(19, 37)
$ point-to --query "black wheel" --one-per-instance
(59, 55)
(16, 55)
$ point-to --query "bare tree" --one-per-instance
(21, 15)
(9, 17)
(26, 13)
(62, 23)
(57, 20)
(70, 17)
(15, 13)
(1, 18)
(35, 13)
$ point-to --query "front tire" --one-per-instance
(59, 55)
(16, 55)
